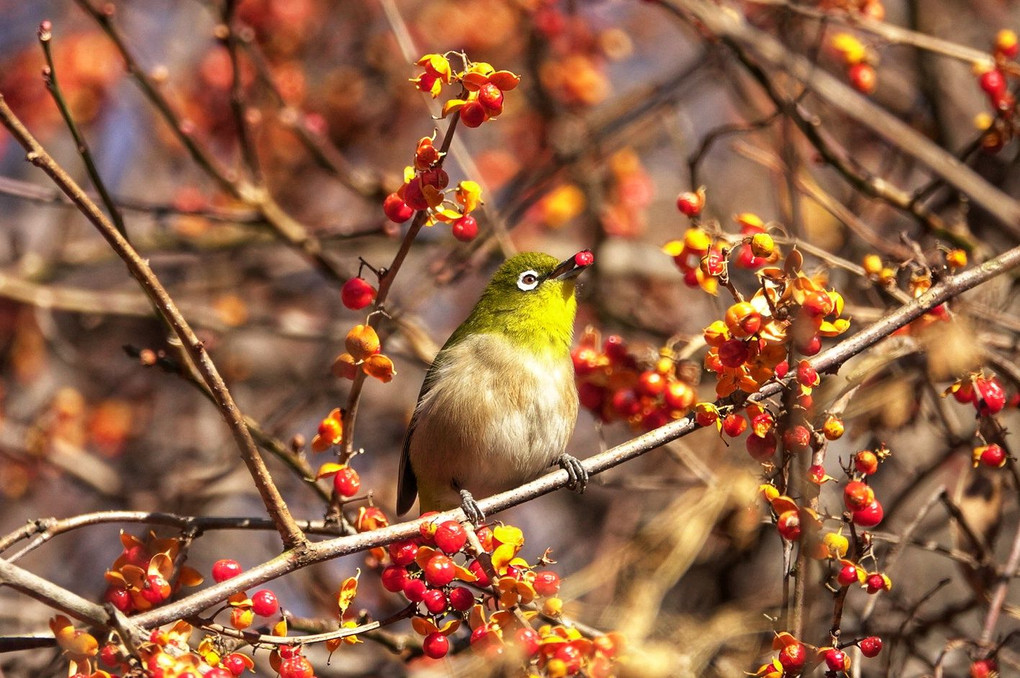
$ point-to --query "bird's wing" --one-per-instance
(407, 483)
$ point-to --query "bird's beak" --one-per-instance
(572, 267)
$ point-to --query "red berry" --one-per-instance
(435, 645)
(788, 525)
(875, 582)
(584, 258)
(357, 293)
(734, 424)
(461, 598)
(346, 482)
(863, 78)
(733, 353)
(615, 349)
(690, 203)
(403, 552)
(528, 640)
(396, 209)
(465, 229)
(991, 398)
(571, 655)
(816, 474)
(993, 82)
(394, 578)
(993, 455)
(218, 672)
(761, 448)
(847, 575)
(440, 570)
(809, 347)
(264, 603)
(869, 516)
(450, 537)
(120, 598)
(857, 495)
(984, 668)
(414, 590)
(866, 462)
(651, 383)
(965, 393)
(625, 403)
(296, 667)
(491, 99)
(817, 304)
(473, 114)
(870, 646)
(109, 655)
(793, 657)
(547, 583)
(435, 601)
(806, 374)
(476, 569)
(679, 395)
(414, 195)
(235, 663)
(836, 660)
(156, 589)
(797, 438)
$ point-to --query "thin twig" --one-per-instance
(167, 310)
(53, 85)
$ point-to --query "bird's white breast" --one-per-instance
(495, 417)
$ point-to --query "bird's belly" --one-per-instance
(492, 426)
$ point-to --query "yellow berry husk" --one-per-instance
(833, 428)
(750, 221)
(716, 333)
(872, 264)
(697, 240)
(362, 342)
(552, 607)
(849, 48)
(762, 245)
(956, 258)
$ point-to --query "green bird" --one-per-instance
(499, 401)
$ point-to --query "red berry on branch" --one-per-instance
(264, 603)
(439, 570)
(869, 516)
(346, 482)
(357, 293)
(473, 114)
(394, 578)
(435, 645)
(435, 601)
(870, 646)
(793, 657)
(547, 583)
(450, 537)
(465, 229)
(396, 209)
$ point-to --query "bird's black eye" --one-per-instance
(527, 281)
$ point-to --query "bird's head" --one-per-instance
(531, 299)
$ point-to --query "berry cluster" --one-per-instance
(858, 60)
(999, 127)
(612, 384)
(144, 575)
(451, 583)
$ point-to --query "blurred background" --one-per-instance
(622, 106)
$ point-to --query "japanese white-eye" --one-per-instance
(499, 401)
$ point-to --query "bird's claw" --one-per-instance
(471, 509)
(576, 473)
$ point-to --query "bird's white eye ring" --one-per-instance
(527, 281)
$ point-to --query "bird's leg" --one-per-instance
(471, 509)
(578, 476)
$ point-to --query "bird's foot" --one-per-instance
(578, 476)
(471, 509)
